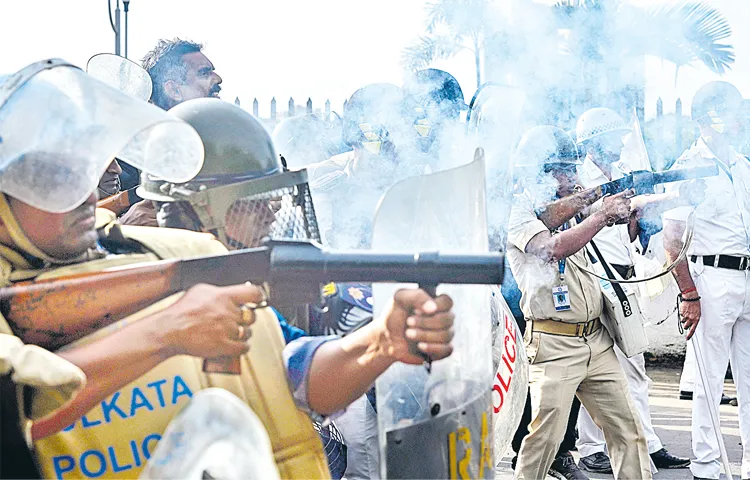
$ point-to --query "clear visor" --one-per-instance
(122, 74)
(62, 128)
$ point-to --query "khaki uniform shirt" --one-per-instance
(536, 278)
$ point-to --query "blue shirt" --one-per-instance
(290, 332)
(298, 354)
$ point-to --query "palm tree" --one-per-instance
(452, 26)
(583, 50)
(679, 32)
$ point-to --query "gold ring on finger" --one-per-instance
(248, 314)
(248, 310)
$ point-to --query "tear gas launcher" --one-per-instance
(55, 312)
(642, 181)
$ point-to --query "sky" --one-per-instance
(323, 49)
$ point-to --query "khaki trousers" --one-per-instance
(562, 367)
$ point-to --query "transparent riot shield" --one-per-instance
(494, 122)
(437, 425)
(215, 436)
(511, 381)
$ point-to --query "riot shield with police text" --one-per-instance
(438, 424)
(511, 381)
(216, 435)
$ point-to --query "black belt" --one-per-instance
(723, 261)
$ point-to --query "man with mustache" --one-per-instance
(180, 71)
(109, 184)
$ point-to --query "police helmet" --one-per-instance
(376, 115)
(599, 121)
(438, 87)
(242, 194)
(715, 100)
(546, 145)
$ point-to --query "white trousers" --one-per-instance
(723, 333)
(590, 437)
(687, 378)
(359, 427)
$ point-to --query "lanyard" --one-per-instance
(724, 167)
(561, 262)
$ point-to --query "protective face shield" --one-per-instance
(241, 194)
(438, 98)
(428, 422)
(608, 145)
(377, 119)
(719, 105)
(306, 139)
(122, 74)
(61, 128)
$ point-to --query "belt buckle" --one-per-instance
(744, 263)
(716, 261)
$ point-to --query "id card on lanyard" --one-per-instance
(560, 296)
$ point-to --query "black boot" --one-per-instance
(597, 463)
(664, 460)
(565, 468)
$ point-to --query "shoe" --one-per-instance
(565, 468)
(664, 460)
(596, 463)
(725, 400)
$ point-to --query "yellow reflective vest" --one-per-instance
(116, 438)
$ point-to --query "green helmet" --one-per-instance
(243, 193)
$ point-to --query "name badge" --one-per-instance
(560, 298)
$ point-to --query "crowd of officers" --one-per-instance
(386, 133)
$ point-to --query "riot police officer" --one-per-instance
(569, 350)
(713, 279)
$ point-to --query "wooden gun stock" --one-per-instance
(55, 312)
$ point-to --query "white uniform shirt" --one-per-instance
(722, 221)
(613, 242)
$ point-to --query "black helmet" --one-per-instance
(436, 97)
(546, 145)
(433, 86)
(715, 100)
